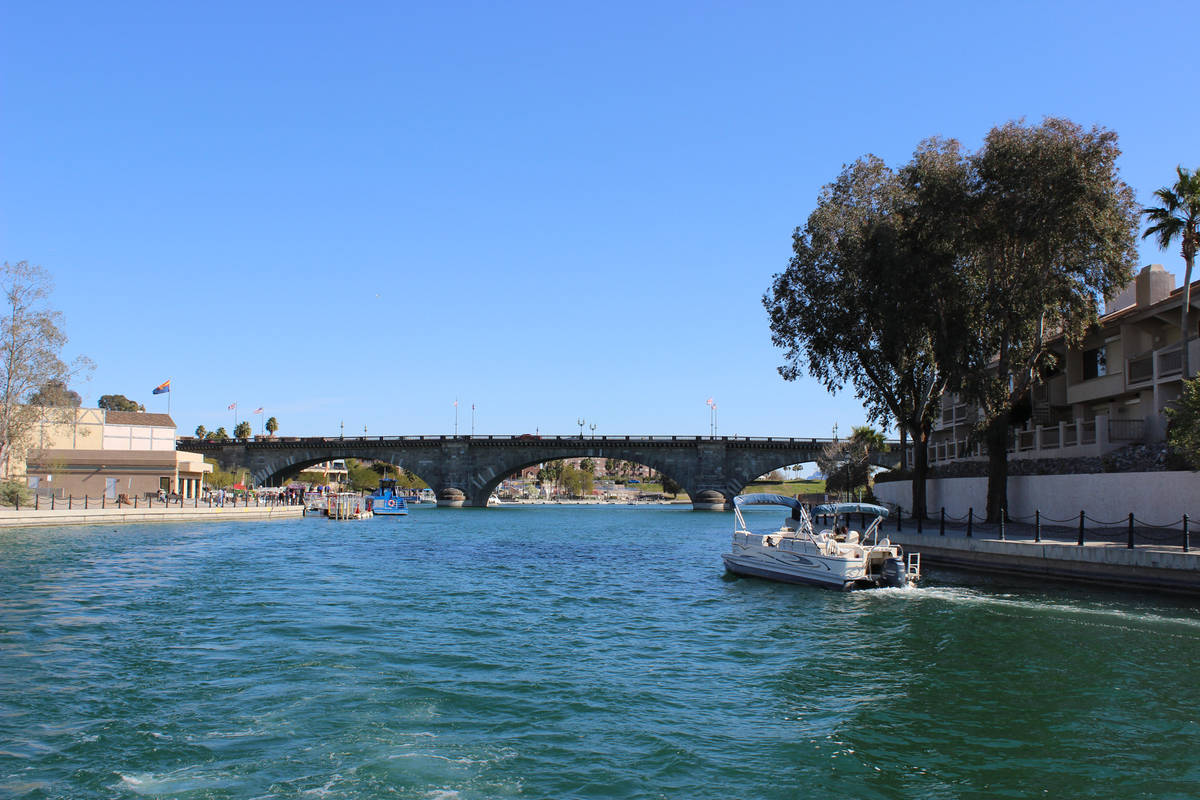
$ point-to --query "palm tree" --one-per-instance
(1178, 218)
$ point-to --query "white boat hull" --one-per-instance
(836, 573)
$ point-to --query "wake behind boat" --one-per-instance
(838, 558)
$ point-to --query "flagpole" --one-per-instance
(456, 418)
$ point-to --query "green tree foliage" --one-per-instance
(361, 477)
(1052, 232)
(219, 435)
(118, 402)
(30, 342)
(670, 486)
(1178, 219)
(1183, 424)
(201, 431)
(272, 425)
(55, 394)
(871, 296)
(243, 430)
(587, 465)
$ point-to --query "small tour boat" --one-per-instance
(386, 501)
(838, 558)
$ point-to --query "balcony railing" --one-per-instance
(1170, 362)
(1140, 369)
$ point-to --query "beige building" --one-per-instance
(101, 453)
(1108, 393)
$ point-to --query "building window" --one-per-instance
(1095, 363)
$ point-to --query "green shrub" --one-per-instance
(13, 491)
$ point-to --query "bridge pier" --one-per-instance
(709, 500)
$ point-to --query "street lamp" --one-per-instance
(593, 427)
(580, 423)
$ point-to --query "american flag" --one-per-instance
(258, 410)
(232, 406)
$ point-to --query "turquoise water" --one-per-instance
(563, 652)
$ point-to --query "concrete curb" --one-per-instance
(1151, 568)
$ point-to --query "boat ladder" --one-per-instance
(914, 565)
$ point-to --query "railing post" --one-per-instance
(1130, 544)
(1186, 543)
(970, 520)
(942, 523)
(1037, 525)
(1080, 542)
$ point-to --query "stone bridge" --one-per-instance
(465, 470)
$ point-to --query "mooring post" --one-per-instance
(942, 523)
(135, 501)
(1003, 513)
(1037, 524)
(1130, 544)
(51, 503)
(35, 501)
(1186, 543)
(970, 520)
(1080, 529)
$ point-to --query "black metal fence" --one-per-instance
(1078, 529)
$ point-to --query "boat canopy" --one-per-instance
(850, 508)
(768, 500)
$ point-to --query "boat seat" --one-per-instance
(852, 537)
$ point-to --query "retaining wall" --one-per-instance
(127, 515)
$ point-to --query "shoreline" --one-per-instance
(10, 518)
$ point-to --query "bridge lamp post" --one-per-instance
(593, 427)
(580, 423)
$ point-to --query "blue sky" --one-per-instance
(356, 213)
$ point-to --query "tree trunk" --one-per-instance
(919, 468)
(996, 438)
(1184, 329)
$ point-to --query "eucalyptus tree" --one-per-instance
(1052, 231)
(31, 340)
(871, 296)
(1178, 218)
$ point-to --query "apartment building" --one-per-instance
(1108, 393)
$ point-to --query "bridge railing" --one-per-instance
(299, 440)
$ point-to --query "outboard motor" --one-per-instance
(892, 573)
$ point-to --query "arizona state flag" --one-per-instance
(162, 388)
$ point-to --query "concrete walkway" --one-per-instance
(1157, 562)
(10, 518)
